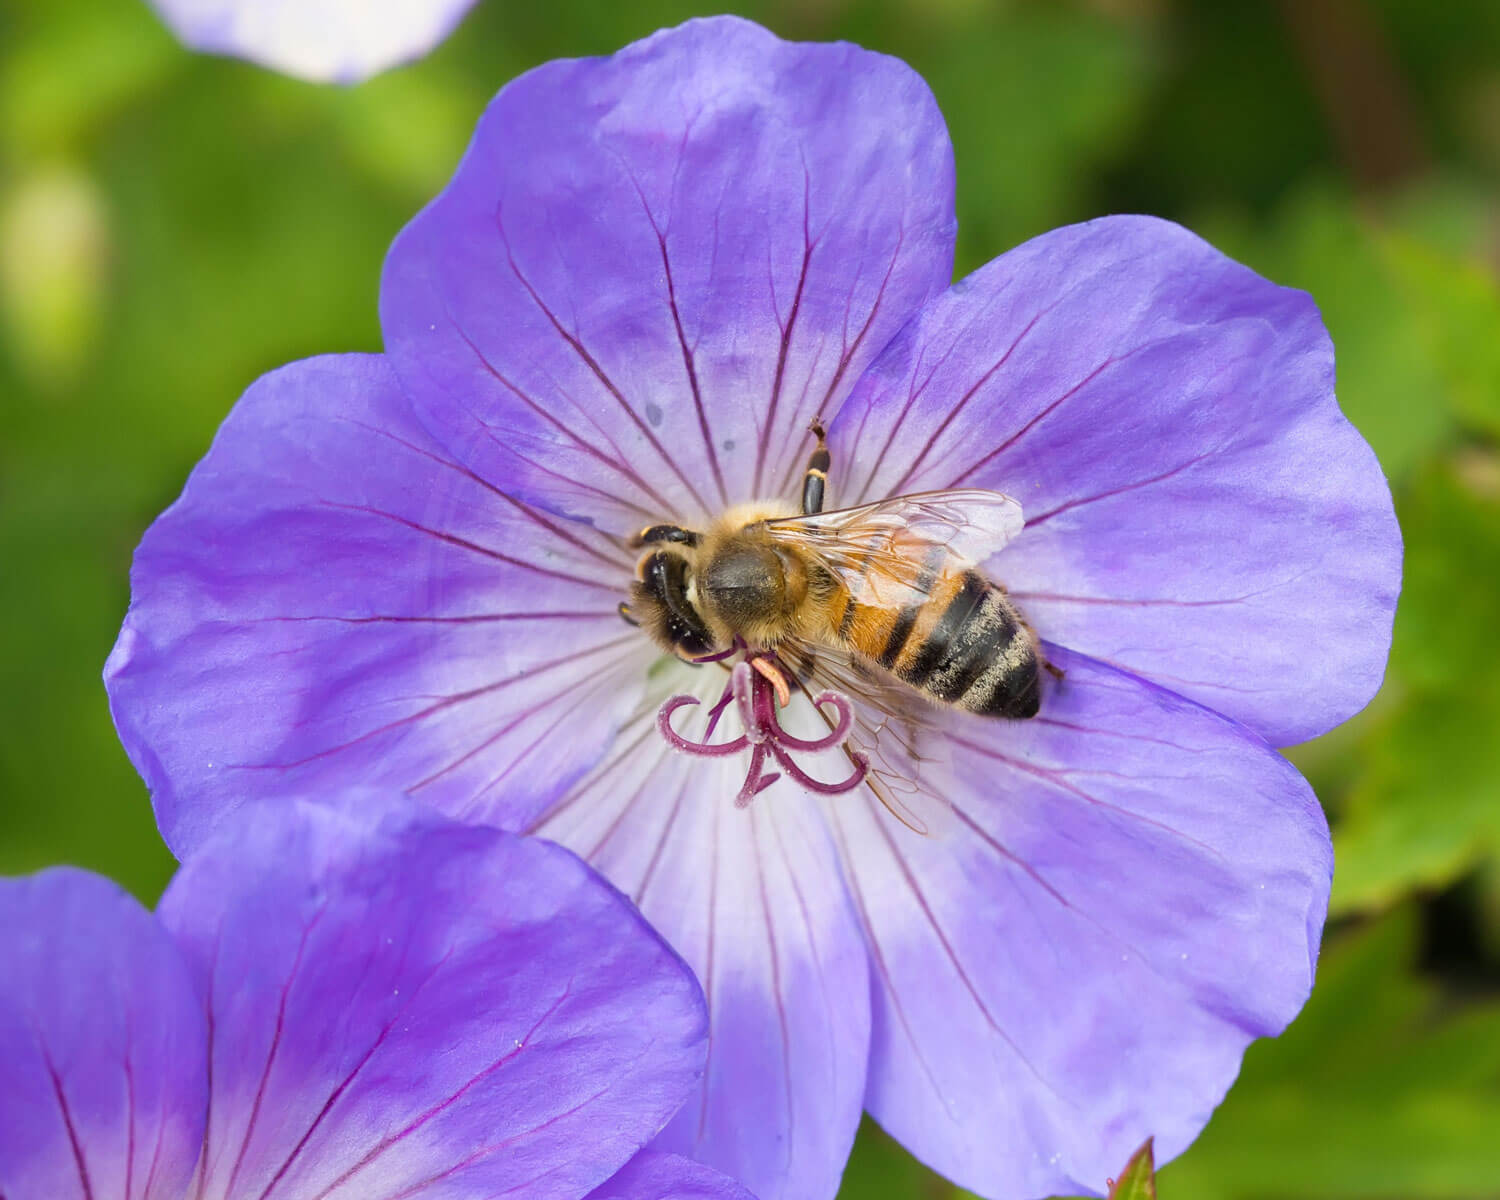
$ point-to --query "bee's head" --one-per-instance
(660, 602)
(745, 583)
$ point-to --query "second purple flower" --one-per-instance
(344, 999)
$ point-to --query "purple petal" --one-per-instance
(651, 1175)
(403, 1006)
(333, 598)
(652, 270)
(1129, 888)
(327, 41)
(1198, 510)
(754, 900)
(102, 1084)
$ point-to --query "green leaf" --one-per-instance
(1024, 164)
(1138, 1180)
(879, 1166)
(1037, 97)
(1423, 806)
(77, 66)
(1382, 1088)
(1391, 383)
(1455, 307)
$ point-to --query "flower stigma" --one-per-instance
(758, 688)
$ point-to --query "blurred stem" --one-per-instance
(1360, 89)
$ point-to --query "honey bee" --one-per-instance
(883, 594)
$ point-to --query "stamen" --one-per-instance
(835, 735)
(687, 745)
(775, 677)
(735, 647)
(742, 684)
(757, 688)
(856, 777)
(716, 712)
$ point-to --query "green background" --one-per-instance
(172, 225)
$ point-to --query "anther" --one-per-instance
(776, 679)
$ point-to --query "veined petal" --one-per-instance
(1129, 890)
(651, 270)
(754, 900)
(403, 1006)
(326, 41)
(102, 1082)
(1198, 510)
(334, 598)
(652, 1175)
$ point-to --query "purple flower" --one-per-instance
(334, 1000)
(326, 41)
(648, 275)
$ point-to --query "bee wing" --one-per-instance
(891, 724)
(888, 542)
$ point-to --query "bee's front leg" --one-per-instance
(662, 533)
(815, 481)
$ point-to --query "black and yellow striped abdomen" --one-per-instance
(958, 641)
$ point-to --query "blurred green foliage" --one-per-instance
(171, 226)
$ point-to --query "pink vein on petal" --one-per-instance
(67, 1116)
(265, 1076)
(873, 941)
(463, 543)
(1054, 777)
(592, 363)
(850, 350)
(471, 806)
(776, 984)
(617, 463)
(129, 1068)
(343, 1085)
(788, 328)
(689, 363)
(1109, 493)
(708, 969)
(526, 510)
(969, 986)
(963, 402)
(443, 1105)
(445, 703)
(1046, 412)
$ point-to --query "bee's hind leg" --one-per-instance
(1051, 668)
(815, 480)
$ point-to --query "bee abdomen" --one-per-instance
(966, 646)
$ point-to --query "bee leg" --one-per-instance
(815, 481)
(1052, 669)
(627, 616)
(662, 533)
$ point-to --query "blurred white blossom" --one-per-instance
(327, 41)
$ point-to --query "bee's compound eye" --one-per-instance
(664, 577)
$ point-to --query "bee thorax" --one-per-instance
(745, 583)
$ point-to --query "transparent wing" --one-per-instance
(892, 730)
(883, 552)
